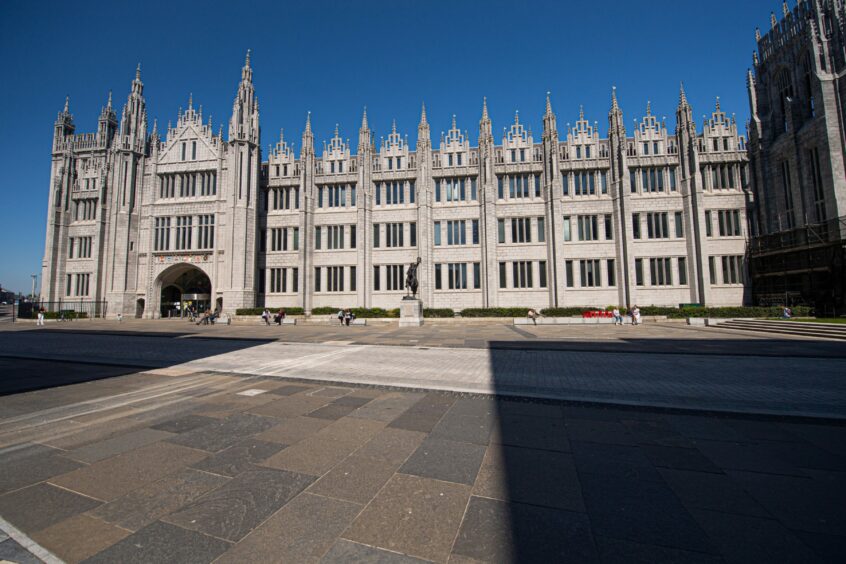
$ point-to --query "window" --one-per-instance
(585, 183)
(679, 221)
(612, 272)
(633, 181)
(638, 272)
(353, 280)
(729, 223)
(660, 272)
(502, 281)
(394, 235)
(183, 232)
(193, 150)
(521, 230)
(475, 229)
(603, 180)
(708, 228)
(589, 271)
(334, 278)
(376, 279)
(317, 279)
(295, 280)
(457, 232)
(334, 236)
(278, 280)
(437, 233)
(673, 179)
(588, 228)
(683, 271)
(477, 275)
(206, 232)
(317, 238)
(542, 274)
(521, 274)
(657, 226)
(568, 273)
(565, 183)
(412, 234)
(395, 277)
(712, 269)
(161, 241)
(411, 191)
(500, 229)
(376, 236)
(609, 228)
(438, 282)
(731, 270)
(457, 276)
(183, 150)
(568, 234)
(353, 236)
(816, 179)
(636, 225)
(541, 230)
(377, 189)
(499, 187)
(296, 245)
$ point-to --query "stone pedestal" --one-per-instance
(411, 313)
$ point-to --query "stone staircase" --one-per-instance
(804, 329)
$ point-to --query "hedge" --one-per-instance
(69, 314)
(273, 310)
(495, 312)
(438, 312)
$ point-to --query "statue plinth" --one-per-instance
(411, 312)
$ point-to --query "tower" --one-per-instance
(551, 179)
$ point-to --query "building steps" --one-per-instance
(804, 329)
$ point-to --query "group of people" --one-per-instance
(634, 313)
(207, 318)
(278, 317)
(345, 316)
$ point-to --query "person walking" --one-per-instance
(281, 316)
(265, 316)
(40, 316)
(636, 316)
(533, 315)
(341, 317)
(347, 317)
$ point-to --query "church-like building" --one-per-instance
(146, 221)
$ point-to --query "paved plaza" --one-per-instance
(164, 442)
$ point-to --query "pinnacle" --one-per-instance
(548, 104)
(247, 61)
(109, 103)
(423, 115)
(308, 123)
(453, 121)
(364, 119)
(67, 104)
(649, 107)
(682, 95)
(517, 117)
(581, 113)
(138, 72)
(485, 108)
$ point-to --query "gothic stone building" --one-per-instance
(144, 222)
(796, 150)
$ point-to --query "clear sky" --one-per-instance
(333, 58)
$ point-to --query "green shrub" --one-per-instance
(438, 312)
(495, 312)
(273, 310)
(566, 311)
(325, 310)
(69, 314)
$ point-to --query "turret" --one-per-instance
(485, 130)
(133, 121)
(107, 123)
(244, 123)
(424, 140)
(308, 139)
(550, 128)
(63, 127)
(365, 136)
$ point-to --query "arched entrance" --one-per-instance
(139, 308)
(181, 287)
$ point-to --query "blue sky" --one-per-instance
(332, 58)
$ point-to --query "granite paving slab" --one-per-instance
(412, 515)
(657, 432)
(614, 461)
(442, 459)
(356, 479)
(353, 400)
(37, 507)
(388, 406)
(333, 411)
(162, 542)
(717, 492)
(537, 477)
(391, 445)
(225, 433)
(291, 406)
(314, 455)
(498, 531)
(183, 424)
(302, 531)
(117, 444)
(236, 508)
(615, 551)
(425, 414)
(30, 464)
(679, 458)
(113, 477)
(348, 552)
(331, 392)
(11, 551)
(595, 431)
(547, 433)
(741, 539)
(290, 390)
(744, 456)
(142, 506)
(465, 428)
(75, 539)
(292, 430)
(641, 511)
(516, 407)
(239, 458)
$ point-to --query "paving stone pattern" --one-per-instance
(316, 473)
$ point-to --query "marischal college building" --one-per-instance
(143, 220)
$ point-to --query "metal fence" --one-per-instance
(67, 310)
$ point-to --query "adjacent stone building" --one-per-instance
(146, 222)
(796, 150)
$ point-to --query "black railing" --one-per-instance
(67, 310)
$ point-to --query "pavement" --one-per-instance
(151, 445)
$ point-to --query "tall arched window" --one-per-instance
(785, 94)
(807, 84)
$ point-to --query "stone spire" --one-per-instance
(549, 122)
(133, 123)
(682, 96)
(308, 138)
(548, 104)
(364, 134)
(423, 115)
(423, 133)
(649, 107)
(485, 130)
(244, 123)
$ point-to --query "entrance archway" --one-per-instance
(183, 287)
(139, 308)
